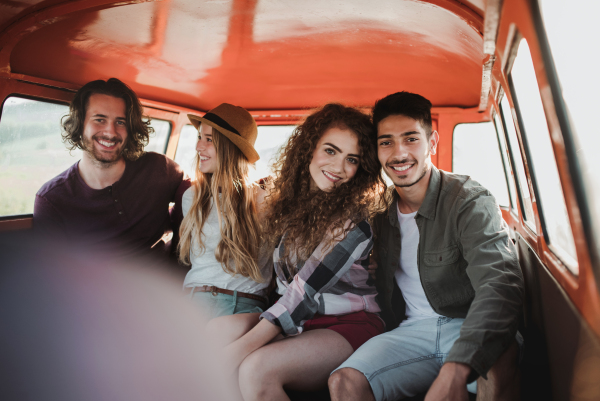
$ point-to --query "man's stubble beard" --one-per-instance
(423, 174)
(88, 147)
(425, 171)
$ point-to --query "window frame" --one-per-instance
(508, 192)
(575, 185)
(21, 218)
(506, 163)
(522, 132)
(523, 215)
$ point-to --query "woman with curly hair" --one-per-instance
(220, 233)
(327, 185)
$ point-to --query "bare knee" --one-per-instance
(255, 377)
(349, 384)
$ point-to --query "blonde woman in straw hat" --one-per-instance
(220, 232)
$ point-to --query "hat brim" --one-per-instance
(245, 146)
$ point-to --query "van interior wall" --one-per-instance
(560, 347)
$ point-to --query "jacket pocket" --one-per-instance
(445, 279)
(442, 257)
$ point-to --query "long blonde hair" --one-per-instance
(236, 210)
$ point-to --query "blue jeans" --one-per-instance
(405, 361)
(222, 304)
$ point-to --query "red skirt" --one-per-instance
(357, 328)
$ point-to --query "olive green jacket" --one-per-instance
(467, 263)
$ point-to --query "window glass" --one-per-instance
(534, 125)
(506, 161)
(484, 166)
(160, 137)
(515, 152)
(31, 151)
(268, 142)
(567, 24)
(185, 155)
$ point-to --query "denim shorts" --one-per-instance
(222, 304)
(405, 361)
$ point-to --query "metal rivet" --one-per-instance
(120, 212)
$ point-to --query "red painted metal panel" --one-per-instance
(252, 53)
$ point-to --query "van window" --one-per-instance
(517, 161)
(508, 171)
(534, 130)
(159, 139)
(578, 88)
(31, 151)
(469, 158)
(185, 155)
(268, 142)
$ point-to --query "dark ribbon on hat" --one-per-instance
(213, 118)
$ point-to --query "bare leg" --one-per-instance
(301, 363)
(224, 330)
(349, 384)
(503, 383)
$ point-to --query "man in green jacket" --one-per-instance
(449, 282)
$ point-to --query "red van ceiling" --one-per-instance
(261, 54)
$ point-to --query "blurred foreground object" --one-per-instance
(79, 326)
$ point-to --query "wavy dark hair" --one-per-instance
(138, 126)
(305, 216)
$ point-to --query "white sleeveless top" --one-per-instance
(207, 270)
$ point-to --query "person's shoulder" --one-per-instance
(359, 231)
(188, 195)
(159, 163)
(461, 186)
(153, 159)
(60, 182)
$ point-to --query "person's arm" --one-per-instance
(176, 213)
(179, 183)
(257, 337)
(451, 383)
(47, 223)
(493, 269)
(320, 272)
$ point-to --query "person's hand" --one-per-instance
(372, 268)
(451, 383)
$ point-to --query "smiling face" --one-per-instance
(335, 159)
(206, 150)
(105, 129)
(404, 149)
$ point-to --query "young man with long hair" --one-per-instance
(117, 196)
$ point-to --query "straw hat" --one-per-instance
(235, 123)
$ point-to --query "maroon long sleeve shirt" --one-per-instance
(131, 215)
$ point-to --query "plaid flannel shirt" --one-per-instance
(334, 283)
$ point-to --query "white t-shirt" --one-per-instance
(407, 274)
(206, 269)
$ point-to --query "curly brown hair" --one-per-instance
(305, 215)
(138, 129)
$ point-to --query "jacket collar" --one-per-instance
(429, 205)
